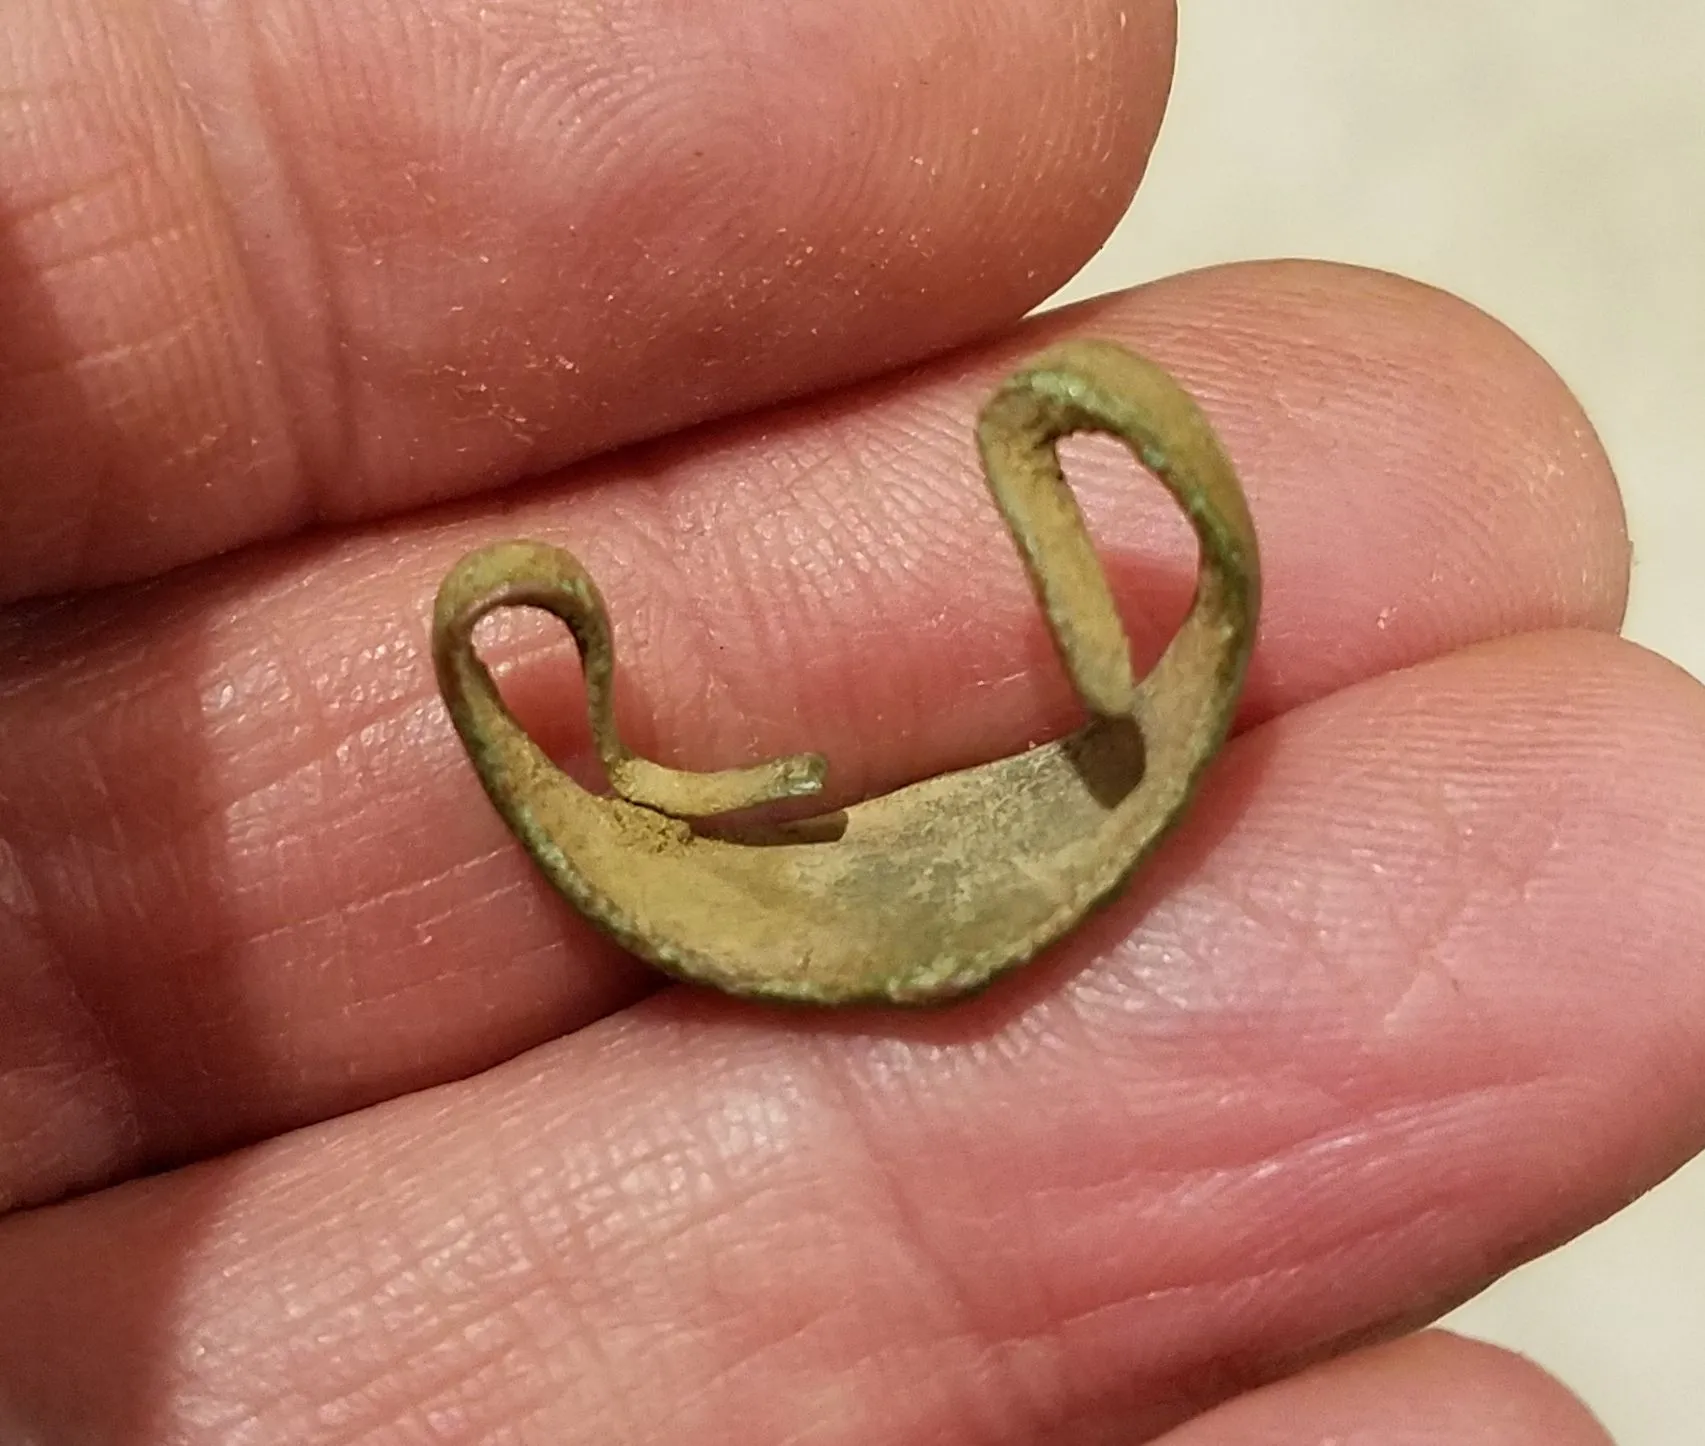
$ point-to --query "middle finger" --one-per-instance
(265, 888)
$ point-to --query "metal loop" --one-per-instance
(930, 891)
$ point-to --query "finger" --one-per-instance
(333, 261)
(1414, 998)
(264, 886)
(1431, 1390)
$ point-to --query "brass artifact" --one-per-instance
(931, 891)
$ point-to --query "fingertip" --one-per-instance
(1433, 1389)
(433, 250)
(1542, 442)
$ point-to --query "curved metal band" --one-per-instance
(931, 891)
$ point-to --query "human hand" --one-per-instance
(1408, 999)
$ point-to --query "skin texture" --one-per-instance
(323, 1121)
(367, 255)
(1443, 1392)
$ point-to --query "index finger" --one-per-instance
(333, 262)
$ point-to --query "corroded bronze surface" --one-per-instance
(931, 891)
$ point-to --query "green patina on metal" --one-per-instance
(927, 893)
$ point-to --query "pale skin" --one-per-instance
(322, 1120)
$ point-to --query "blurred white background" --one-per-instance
(1546, 160)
